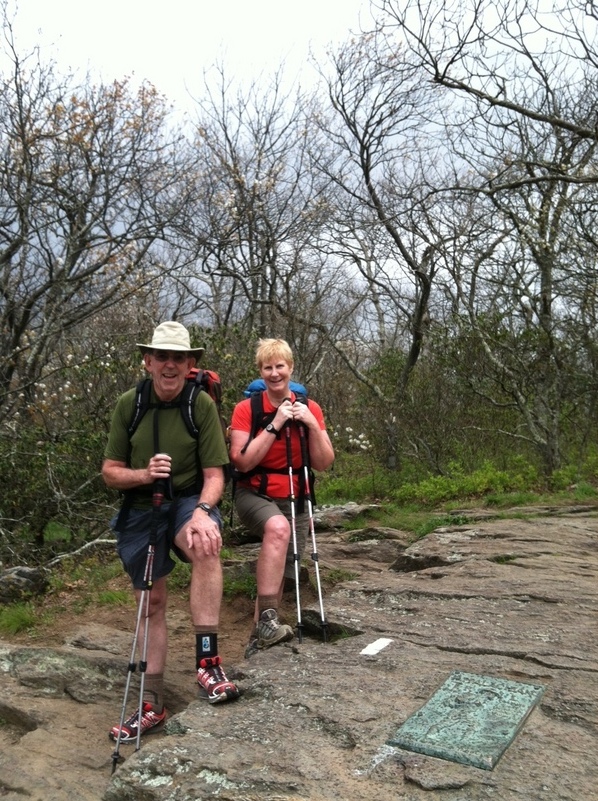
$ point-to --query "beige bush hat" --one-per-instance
(171, 336)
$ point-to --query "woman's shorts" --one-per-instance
(255, 510)
(132, 540)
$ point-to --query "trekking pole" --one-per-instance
(142, 607)
(294, 530)
(312, 528)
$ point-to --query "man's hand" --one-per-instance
(159, 467)
(203, 534)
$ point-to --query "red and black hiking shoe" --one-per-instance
(213, 684)
(150, 722)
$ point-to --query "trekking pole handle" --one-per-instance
(159, 488)
(158, 492)
(304, 449)
(287, 431)
(288, 421)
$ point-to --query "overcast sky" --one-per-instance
(171, 43)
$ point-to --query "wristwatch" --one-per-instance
(271, 430)
(205, 506)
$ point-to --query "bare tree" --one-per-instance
(523, 128)
(257, 222)
(380, 155)
(253, 213)
(507, 58)
(88, 184)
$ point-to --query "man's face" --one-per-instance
(168, 368)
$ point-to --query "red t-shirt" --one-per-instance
(276, 458)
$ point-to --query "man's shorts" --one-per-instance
(255, 510)
(132, 540)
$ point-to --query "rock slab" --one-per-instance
(511, 599)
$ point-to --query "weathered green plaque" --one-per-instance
(470, 719)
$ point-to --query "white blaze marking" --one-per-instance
(376, 646)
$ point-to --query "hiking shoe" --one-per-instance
(150, 722)
(213, 684)
(252, 647)
(270, 631)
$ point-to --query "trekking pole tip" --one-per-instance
(116, 758)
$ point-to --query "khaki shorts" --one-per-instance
(255, 510)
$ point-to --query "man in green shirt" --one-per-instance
(162, 449)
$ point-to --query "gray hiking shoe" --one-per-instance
(251, 648)
(270, 631)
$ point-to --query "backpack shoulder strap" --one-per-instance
(142, 402)
(258, 418)
(190, 392)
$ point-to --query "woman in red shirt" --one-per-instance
(262, 497)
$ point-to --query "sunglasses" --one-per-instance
(176, 356)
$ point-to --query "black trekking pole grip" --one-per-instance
(158, 492)
(159, 485)
(287, 433)
(304, 449)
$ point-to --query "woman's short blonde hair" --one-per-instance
(269, 350)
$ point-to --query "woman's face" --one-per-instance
(276, 373)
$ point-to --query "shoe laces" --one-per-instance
(211, 665)
(146, 717)
(269, 623)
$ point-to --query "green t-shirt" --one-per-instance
(173, 439)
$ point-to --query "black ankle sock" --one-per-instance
(206, 645)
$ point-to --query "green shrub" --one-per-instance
(354, 477)
(439, 489)
(17, 617)
(585, 492)
(115, 598)
(180, 578)
(502, 500)
(239, 583)
(57, 532)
